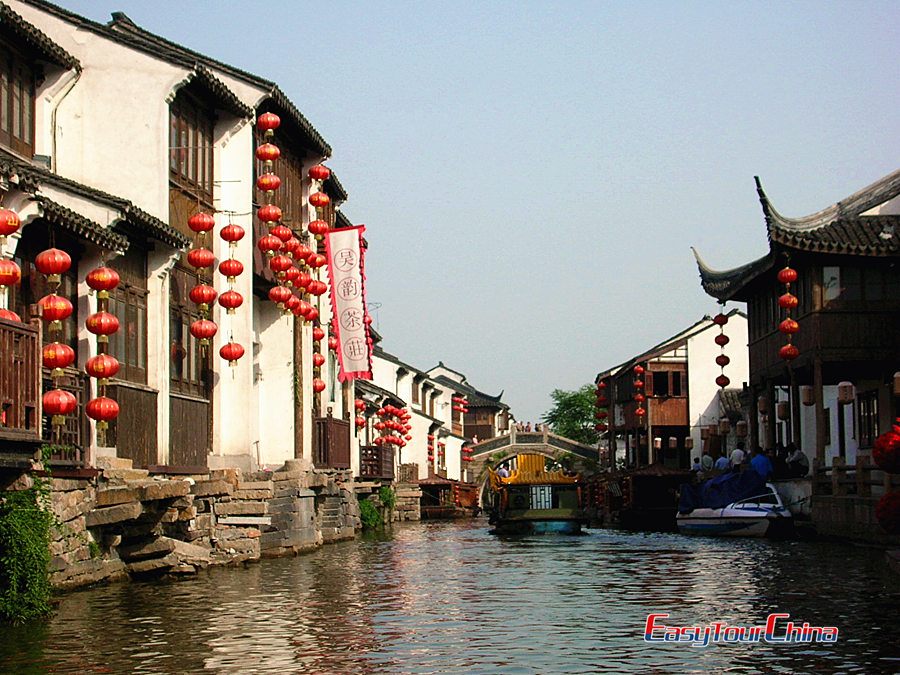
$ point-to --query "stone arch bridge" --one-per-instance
(495, 451)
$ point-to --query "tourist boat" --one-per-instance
(535, 500)
(733, 504)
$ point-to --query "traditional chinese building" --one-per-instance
(665, 404)
(833, 390)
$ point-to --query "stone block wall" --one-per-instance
(126, 522)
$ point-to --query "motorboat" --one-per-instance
(735, 504)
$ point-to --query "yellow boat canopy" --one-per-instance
(530, 471)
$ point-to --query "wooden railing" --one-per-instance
(331, 443)
(376, 462)
(75, 435)
(20, 382)
(852, 479)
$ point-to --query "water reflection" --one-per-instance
(449, 598)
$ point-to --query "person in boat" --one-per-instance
(722, 464)
(797, 462)
(706, 461)
(503, 472)
(697, 466)
(760, 464)
(737, 456)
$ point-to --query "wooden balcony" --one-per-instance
(75, 435)
(331, 443)
(376, 462)
(20, 384)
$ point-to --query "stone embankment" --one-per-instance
(127, 523)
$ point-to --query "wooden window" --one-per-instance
(660, 383)
(868, 418)
(676, 384)
(17, 85)
(190, 147)
(189, 363)
(128, 301)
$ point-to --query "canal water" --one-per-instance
(447, 597)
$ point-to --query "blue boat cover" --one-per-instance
(720, 491)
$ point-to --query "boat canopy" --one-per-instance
(530, 471)
(719, 492)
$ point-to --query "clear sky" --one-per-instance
(533, 174)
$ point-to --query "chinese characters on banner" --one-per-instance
(348, 302)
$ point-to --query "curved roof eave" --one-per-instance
(725, 284)
(37, 39)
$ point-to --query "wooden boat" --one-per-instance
(534, 500)
(757, 509)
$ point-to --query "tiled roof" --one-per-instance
(81, 226)
(31, 177)
(341, 220)
(473, 396)
(730, 401)
(34, 38)
(334, 189)
(226, 99)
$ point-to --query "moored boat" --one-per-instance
(733, 504)
(535, 500)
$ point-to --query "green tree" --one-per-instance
(572, 415)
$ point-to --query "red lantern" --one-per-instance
(640, 398)
(279, 294)
(408, 437)
(720, 319)
(291, 303)
(601, 385)
(231, 352)
(102, 409)
(789, 326)
(318, 227)
(318, 334)
(638, 384)
(887, 511)
(268, 182)
(359, 404)
(318, 386)
(332, 343)
(269, 213)
(303, 252)
(290, 275)
(722, 381)
(290, 247)
(319, 200)
(10, 274)
(267, 152)
(102, 323)
(319, 172)
(56, 355)
(316, 260)
(787, 275)
(318, 360)
(722, 360)
(231, 268)
(58, 402)
(638, 370)
(201, 222)
(102, 279)
(102, 366)
(231, 300)
(280, 263)
(283, 232)
(268, 121)
(201, 257)
(9, 223)
(55, 308)
(640, 412)
(721, 339)
(360, 422)
(203, 295)
(602, 414)
(9, 315)
(601, 427)
(886, 453)
(203, 330)
(269, 244)
(311, 314)
(52, 262)
(788, 352)
(232, 234)
(788, 301)
(602, 401)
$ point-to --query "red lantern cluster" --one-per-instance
(231, 268)
(602, 403)
(54, 309)
(10, 274)
(721, 339)
(103, 366)
(394, 426)
(886, 453)
(460, 404)
(467, 454)
(787, 302)
(202, 295)
(887, 512)
(456, 494)
(639, 391)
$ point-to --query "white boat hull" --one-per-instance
(753, 517)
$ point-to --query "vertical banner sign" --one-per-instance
(343, 248)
